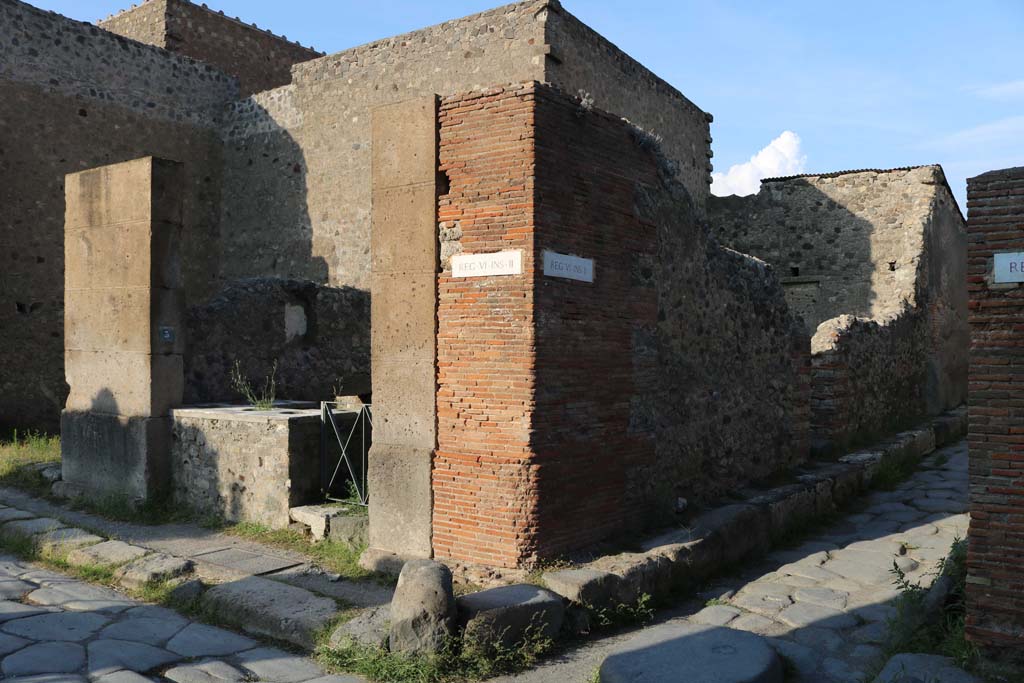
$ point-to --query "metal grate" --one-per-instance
(353, 441)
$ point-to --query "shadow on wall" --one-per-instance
(107, 453)
(275, 305)
(317, 336)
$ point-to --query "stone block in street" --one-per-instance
(106, 554)
(423, 608)
(272, 609)
(61, 541)
(155, 568)
(689, 652)
(370, 628)
(590, 587)
(506, 614)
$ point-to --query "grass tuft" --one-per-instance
(340, 558)
(460, 660)
(20, 456)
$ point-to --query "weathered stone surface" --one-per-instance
(16, 610)
(11, 514)
(590, 587)
(150, 630)
(508, 613)
(15, 590)
(200, 640)
(9, 643)
(153, 568)
(423, 608)
(70, 626)
(351, 529)
(80, 597)
(271, 664)
(919, 668)
(716, 615)
(243, 464)
(803, 614)
(648, 573)
(674, 652)
(205, 672)
(269, 608)
(317, 517)
(105, 554)
(44, 658)
(61, 541)
(371, 628)
(108, 656)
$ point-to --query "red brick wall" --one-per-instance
(589, 369)
(484, 478)
(995, 590)
(573, 412)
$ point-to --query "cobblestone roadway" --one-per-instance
(55, 628)
(824, 604)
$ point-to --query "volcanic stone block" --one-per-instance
(404, 254)
(123, 322)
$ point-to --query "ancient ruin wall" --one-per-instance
(297, 171)
(883, 246)
(313, 339)
(146, 23)
(583, 62)
(571, 412)
(995, 572)
(259, 59)
(76, 97)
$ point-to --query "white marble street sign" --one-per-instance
(1008, 267)
(569, 267)
(483, 265)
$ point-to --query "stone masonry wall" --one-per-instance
(76, 97)
(317, 336)
(585, 63)
(882, 246)
(995, 560)
(572, 412)
(259, 59)
(246, 465)
(297, 177)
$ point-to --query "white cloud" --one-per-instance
(1010, 90)
(781, 157)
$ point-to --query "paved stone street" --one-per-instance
(824, 604)
(55, 628)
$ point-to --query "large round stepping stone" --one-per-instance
(692, 652)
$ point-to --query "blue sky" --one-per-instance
(866, 84)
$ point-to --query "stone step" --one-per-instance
(271, 609)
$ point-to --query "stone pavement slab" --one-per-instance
(794, 597)
(91, 632)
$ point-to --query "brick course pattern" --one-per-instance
(572, 412)
(995, 583)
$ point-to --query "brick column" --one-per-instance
(123, 326)
(995, 582)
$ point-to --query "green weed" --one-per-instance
(331, 555)
(260, 399)
(460, 660)
(20, 457)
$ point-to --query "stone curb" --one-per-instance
(270, 609)
(726, 535)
